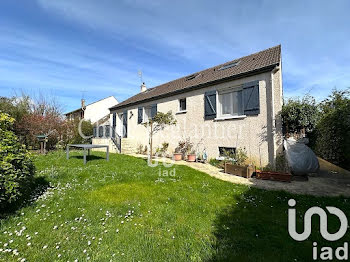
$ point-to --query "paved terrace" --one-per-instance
(331, 180)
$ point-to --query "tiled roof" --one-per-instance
(242, 66)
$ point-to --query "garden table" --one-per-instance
(88, 147)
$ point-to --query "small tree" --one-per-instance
(71, 133)
(157, 123)
(300, 115)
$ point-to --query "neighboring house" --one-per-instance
(229, 106)
(95, 111)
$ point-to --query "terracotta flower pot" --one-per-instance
(191, 157)
(177, 156)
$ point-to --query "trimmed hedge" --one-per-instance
(16, 167)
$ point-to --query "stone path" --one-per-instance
(329, 181)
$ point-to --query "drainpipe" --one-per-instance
(273, 120)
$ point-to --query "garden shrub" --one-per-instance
(332, 136)
(300, 115)
(16, 167)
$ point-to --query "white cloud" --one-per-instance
(168, 39)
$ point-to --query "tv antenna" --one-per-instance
(83, 94)
(139, 72)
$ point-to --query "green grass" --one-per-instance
(122, 210)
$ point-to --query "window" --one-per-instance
(228, 66)
(231, 102)
(230, 150)
(147, 114)
(192, 77)
(182, 104)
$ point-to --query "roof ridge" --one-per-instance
(91, 104)
(271, 56)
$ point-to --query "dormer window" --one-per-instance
(192, 77)
(228, 66)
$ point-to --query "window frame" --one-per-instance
(180, 109)
(219, 104)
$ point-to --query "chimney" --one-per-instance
(143, 87)
(83, 104)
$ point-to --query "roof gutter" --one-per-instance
(185, 90)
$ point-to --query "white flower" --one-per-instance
(10, 241)
(29, 244)
(89, 243)
(55, 227)
(122, 222)
(44, 247)
(84, 251)
(117, 230)
(59, 255)
(57, 247)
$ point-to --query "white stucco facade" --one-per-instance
(95, 111)
(259, 134)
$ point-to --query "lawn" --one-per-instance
(123, 210)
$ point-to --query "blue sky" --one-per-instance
(66, 46)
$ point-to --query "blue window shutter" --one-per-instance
(95, 131)
(153, 110)
(114, 119)
(139, 115)
(210, 105)
(125, 123)
(251, 101)
(100, 131)
(114, 124)
(107, 131)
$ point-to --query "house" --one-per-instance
(229, 106)
(95, 111)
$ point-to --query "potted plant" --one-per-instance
(191, 156)
(235, 163)
(188, 150)
(177, 154)
(183, 147)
